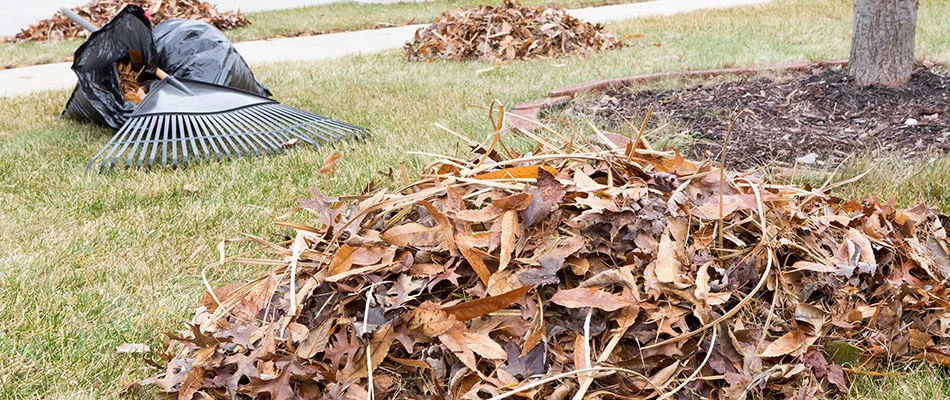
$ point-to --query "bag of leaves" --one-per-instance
(116, 64)
(198, 51)
(98, 97)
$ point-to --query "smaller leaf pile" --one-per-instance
(59, 27)
(597, 268)
(507, 32)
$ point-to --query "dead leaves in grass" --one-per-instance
(507, 32)
(593, 272)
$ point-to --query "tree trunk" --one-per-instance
(882, 47)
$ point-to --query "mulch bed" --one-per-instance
(817, 111)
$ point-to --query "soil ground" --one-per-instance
(817, 117)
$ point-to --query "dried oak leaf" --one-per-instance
(529, 365)
(280, 387)
(246, 367)
(545, 275)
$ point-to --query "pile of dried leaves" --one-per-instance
(593, 268)
(507, 32)
(59, 27)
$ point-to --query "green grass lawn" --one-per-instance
(90, 262)
(335, 17)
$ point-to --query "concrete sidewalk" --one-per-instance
(21, 81)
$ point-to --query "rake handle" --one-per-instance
(89, 26)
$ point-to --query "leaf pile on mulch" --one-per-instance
(507, 32)
(817, 117)
(593, 267)
(59, 27)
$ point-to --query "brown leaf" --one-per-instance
(475, 260)
(668, 264)
(546, 275)
(379, 346)
(590, 297)
(515, 202)
(477, 308)
(787, 344)
(280, 386)
(191, 385)
(525, 172)
(534, 338)
(484, 346)
(413, 235)
(316, 341)
(581, 359)
(429, 320)
(836, 376)
(920, 339)
(816, 362)
(813, 316)
(448, 231)
(329, 162)
(342, 260)
(545, 197)
(454, 340)
(509, 233)
(812, 266)
(663, 377)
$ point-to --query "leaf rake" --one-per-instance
(183, 121)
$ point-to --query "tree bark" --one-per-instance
(882, 47)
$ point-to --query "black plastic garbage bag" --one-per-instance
(199, 51)
(97, 97)
(183, 48)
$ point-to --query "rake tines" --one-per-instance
(175, 140)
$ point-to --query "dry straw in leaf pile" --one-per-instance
(506, 32)
(590, 268)
(59, 27)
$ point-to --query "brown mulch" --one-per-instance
(59, 27)
(507, 32)
(593, 267)
(817, 112)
